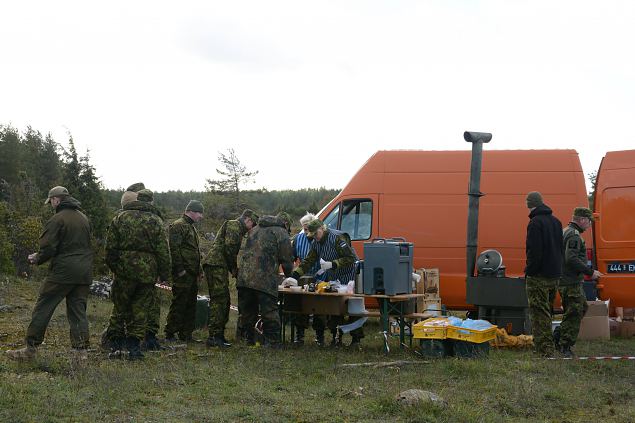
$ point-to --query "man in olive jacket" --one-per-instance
(570, 287)
(267, 248)
(186, 269)
(65, 242)
(137, 252)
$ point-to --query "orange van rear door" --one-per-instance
(614, 227)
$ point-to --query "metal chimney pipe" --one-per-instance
(474, 194)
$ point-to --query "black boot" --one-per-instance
(566, 352)
(556, 337)
(337, 338)
(319, 337)
(150, 343)
(134, 349)
(116, 347)
(355, 342)
(217, 341)
(298, 341)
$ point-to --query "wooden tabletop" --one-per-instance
(399, 297)
(330, 294)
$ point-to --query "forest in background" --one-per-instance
(32, 163)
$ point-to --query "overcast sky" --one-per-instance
(306, 92)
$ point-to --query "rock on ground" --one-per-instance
(416, 396)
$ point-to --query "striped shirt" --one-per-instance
(301, 248)
(326, 251)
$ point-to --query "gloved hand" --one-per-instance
(289, 282)
(326, 265)
(596, 275)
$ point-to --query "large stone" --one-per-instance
(417, 396)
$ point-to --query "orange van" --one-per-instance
(422, 196)
(614, 228)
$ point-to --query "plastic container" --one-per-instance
(436, 348)
(471, 335)
(465, 349)
(434, 328)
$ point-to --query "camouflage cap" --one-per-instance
(284, 216)
(195, 206)
(58, 191)
(136, 187)
(534, 199)
(145, 195)
(313, 226)
(583, 212)
(248, 213)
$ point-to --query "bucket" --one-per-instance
(202, 312)
(356, 306)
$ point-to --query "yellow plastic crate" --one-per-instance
(471, 335)
(422, 331)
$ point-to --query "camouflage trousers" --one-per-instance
(154, 313)
(133, 303)
(182, 312)
(540, 292)
(218, 283)
(574, 306)
(50, 295)
(252, 302)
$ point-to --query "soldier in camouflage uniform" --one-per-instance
(129, 196)
(137, 252)
(543, 270)
(220, 261)
(186, 269)
(267, 248)
(333, 251)
(570, 286)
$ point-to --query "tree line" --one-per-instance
(31, 163)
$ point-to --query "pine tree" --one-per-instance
(234, 174)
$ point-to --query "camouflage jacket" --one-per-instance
(575, 260)
(224, 251)
(137, 244)
(65, 241)
(267, 248)
(184, 248)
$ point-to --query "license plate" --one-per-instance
(621, 267)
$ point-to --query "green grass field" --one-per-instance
(304, 385)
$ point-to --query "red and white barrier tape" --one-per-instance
(169, 288)
(625, 357)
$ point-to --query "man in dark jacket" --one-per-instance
(570, 287)
(186, 269)
(267, 248)
(543, 270)
(65, 242)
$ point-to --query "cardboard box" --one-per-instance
(595, 324)
(430, 305)
(625, 313)
(431, 282)
(626, 329)
(429, 286)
